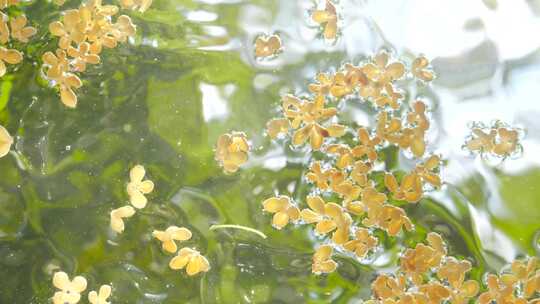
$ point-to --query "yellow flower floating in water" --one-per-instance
(329, 217)
(70, 291)
(499, 140)
(266, 46)
(284, 210)
(328, 19)
(117, 217)
(137, 188)
(322, 260)
(101, 297)
(83, 33)
(232, 151)
(420, 69)
(5, 142)
(190, 259)
(170, 235)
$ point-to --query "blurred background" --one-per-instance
(190, 75)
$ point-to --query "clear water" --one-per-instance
(188, 77)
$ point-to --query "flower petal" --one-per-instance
(136, 174)
(61, 280)
(138, 200)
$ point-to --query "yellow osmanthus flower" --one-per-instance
(453, 271)
(19, 30)
(382, 72)
(322, 213)
(306, 117)
(360, 171)
(387, 287)
(362, 243)
(267, 45)
(170, 235)
(328, 19)
(410, 189)
(5, 142)
(420, 69)
(101, 297)
(323, 84)
(57, 70)
(499, 140)
(388, 96)
(344, 153)
(319, 176)
(139, 5)
(70, 290)
(83, 32)
(117, 218)
(232, 151)
(190, 259)
(419, 260)
(10, 56)
(426, 171)
(278, 126)
(367, 146)
(528, 274)
(322, 260)
(82, 55)
(284, 210)
(137, 188)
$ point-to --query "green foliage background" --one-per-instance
(143, 104)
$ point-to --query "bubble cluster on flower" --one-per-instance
(498, 139)
(232, 151)
(83, 33)
(267, 46)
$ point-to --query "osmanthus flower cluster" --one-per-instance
(187, 258)
(69, 291)
(83, 33)
(426, 275)
(12, 28)
(136, 189)
(347, 169)
(499, 140)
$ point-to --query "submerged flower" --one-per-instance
(117, 217)
(327, 18)
(232, 151)
(170, 235)
(322, 260)
(10, 56)
(192, 260)
(101, 297)
(137, 188)
(344, 153)
(323, 84)
(499, 140)
(266, 46)
(5, 142)
(427, 171)
(283, 209)
(420, 69)
(70, 291)
(19, 30)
